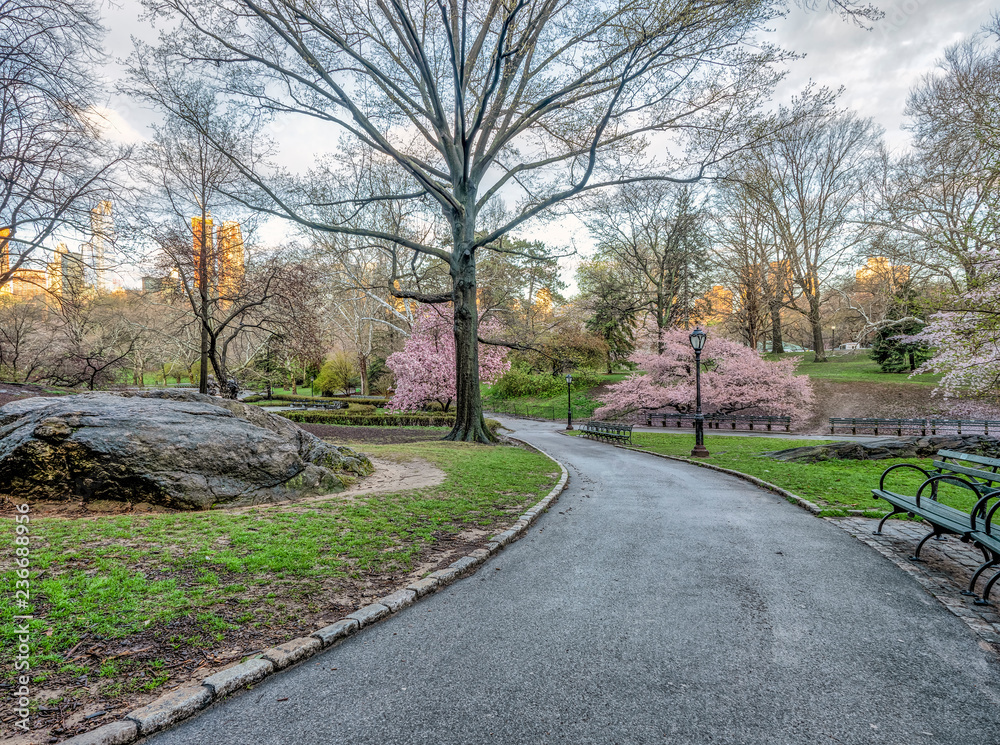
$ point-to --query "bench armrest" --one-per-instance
(948, 477)
(881, 481)
(989, 515)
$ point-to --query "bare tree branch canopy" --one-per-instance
(532, 101)
(53, 165)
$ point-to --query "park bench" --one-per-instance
(716, 420)
(975, 473)
(750, 421)
(608, 431)
(914, 426)
(337, 406)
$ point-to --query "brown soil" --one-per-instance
(18, 391)
(857, 399)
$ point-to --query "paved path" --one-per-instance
(656, 603)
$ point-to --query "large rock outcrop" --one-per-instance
(890, 447)
(172, 448)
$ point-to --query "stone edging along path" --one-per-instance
(182, 703)
(945, 594)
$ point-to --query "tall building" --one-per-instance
(65, 273)
(230, 260)
(101, 229)
(4, 250)
(203, 236)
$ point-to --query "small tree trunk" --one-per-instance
(777, 343)
(469, 423)
(817, 329)
(363, 368)
(203, 366)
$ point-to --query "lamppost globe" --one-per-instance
(697, 339)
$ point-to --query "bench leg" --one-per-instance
(916, 554)
(985, 599)
(971, 591)
(878, 531)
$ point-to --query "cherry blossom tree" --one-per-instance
(734, 378)
(425, 368)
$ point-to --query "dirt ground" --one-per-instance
(17, 391)
(855, 399)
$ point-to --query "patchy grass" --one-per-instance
(835, 485)
(127, 604)
(852, 368)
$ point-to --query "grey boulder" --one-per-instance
(176, 449)
(890, 447)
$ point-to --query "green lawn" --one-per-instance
(190, 581)
(852, 368)
(835, 485)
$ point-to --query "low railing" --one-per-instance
(922, 427)
(718, 421)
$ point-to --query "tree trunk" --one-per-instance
(363, 368)
(469, 424)
(777, 343)
(817, 329)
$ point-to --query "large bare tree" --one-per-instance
(532, 101)
(54, 167)
(812, 181)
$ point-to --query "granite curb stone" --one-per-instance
(116, 733)
(171, 708)
(423, 586)
(370, 614)
(246, 673)
(339, 630)
(398, 600)
(291, 652)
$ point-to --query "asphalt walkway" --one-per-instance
(655, 603)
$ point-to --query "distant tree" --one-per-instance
(54, 166)
(656, 234)
(895, 355)
(734, 379)
(425, 369)
(338, 374)
(614, 304)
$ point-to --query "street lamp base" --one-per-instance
(569, 427)
(700, 452)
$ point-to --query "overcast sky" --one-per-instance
(877, 68)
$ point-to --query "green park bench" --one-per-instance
(608, 431)
(914, 426)
(975, 473)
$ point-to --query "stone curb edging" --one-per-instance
(944, 594)
(185, 702)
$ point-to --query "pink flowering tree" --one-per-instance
(966, 337)
(425, 367)
(734, 379)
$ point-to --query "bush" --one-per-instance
(353, 408)
(351, 419)
(518, 383)
(284, 398)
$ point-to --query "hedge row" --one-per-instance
(405, 419)
(280, 398)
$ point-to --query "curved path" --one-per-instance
(655, 603)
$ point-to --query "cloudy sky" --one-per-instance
(877, 67)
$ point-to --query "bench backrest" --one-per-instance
(968, 464)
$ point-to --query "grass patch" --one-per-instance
(835, 485)
(179, 581)
(853, 368)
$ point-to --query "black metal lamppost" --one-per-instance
(569, 401)
(697, 339)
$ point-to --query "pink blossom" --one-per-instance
(425, 368)
(734, 379)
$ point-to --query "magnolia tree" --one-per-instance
(966, 336)
(734, 378)
(425, 368)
